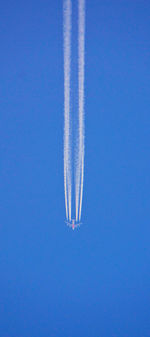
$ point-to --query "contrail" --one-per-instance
(81, 62)
(74, 160)
(67, 71)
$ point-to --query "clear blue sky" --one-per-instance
(94, 282)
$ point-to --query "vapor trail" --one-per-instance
(81, 62)
(73, 129)
(67, 72)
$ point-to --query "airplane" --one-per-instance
(73, 224)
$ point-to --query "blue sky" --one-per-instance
(94, 282)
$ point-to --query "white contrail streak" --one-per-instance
(81, 62)
(81, 53)
(67, 71)
(73, 160)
